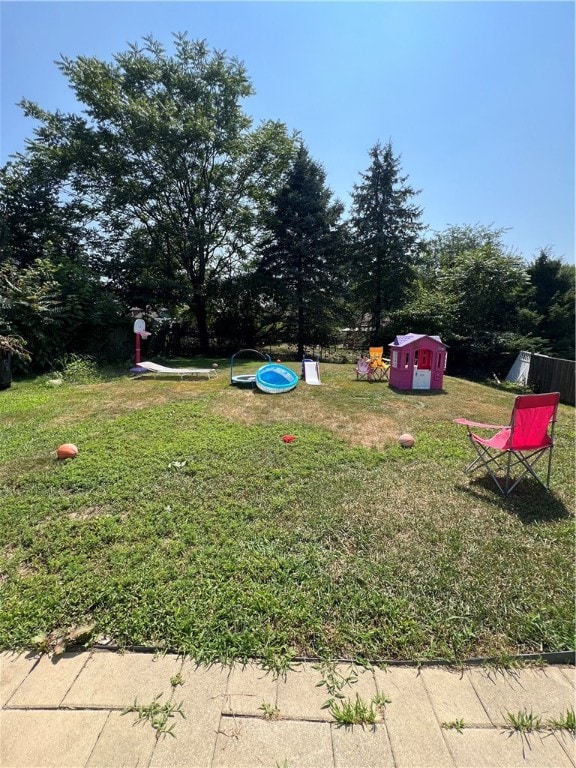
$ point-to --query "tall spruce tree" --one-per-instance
(385, 233)
(302, 253)
(553, 284)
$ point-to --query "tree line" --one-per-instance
(161, 193)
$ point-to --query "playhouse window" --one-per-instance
(394, 359)
(407, 360)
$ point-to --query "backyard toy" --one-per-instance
(67, 451)
(162, 370)
(406, 440)
(528, 437)
(245, 379)
(520, 369)
(363, 369)
(417, 361)
(379, 366)
(311, 372)
(288, 438)
(275, 379)
(140, 332)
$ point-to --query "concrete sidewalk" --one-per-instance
(68, 713)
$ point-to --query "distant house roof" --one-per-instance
(409, 338)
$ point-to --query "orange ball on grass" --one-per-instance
(67, 451)
(406, 440)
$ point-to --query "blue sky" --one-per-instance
(476, 97)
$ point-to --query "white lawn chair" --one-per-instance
(162, 370)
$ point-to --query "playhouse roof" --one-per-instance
(409, 338)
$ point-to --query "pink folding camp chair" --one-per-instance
(364, 370)
(520, 445)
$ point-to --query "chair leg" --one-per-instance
(512, 459)
(549, 468)
(528, 465)
(507, 488)
(485, 459)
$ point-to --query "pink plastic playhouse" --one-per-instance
(417, 361)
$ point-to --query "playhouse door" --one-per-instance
(421, 379)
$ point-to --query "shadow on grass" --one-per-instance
(529, 501)
(419, 392)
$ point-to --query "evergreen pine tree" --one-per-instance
(301, 254)
(385, 230)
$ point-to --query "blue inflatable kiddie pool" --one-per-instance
(275, 379)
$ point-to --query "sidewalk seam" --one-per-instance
(279, 719)
(223, 700)
(495, 725)
(478, 695)
(170, 698)
(62, 708)
(571, 757)
(86, 660)
(97, 740)
(385, 720)
(438, 723)
(15, 691)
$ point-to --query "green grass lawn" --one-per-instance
(187, 524)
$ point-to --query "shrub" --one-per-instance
(79, 369)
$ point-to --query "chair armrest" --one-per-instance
(478, 424)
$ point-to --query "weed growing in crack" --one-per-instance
(523, 721)
(157, 714)
(269, 712)
(358, 711)
(456, 725)
(566, 722)
(176, 680)
(334, 680)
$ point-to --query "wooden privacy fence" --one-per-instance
(553, 374)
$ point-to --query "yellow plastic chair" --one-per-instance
(379, 366)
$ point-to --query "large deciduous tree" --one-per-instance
(302, 253)
(385, 230)
(168, 162)
(50, 294)
(473, 291)
(33, 217)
